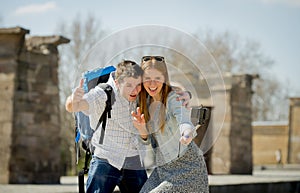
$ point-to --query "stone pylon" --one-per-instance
(29, 107)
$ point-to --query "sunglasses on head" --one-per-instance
(157, 58)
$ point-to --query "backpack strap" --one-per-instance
(103, 118)
(108, 107)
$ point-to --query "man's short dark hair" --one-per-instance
(128, 68)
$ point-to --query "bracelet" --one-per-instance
(190, 94)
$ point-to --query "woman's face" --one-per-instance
(153, 82)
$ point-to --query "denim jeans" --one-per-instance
(103, 178)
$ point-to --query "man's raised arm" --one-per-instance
(75, 102)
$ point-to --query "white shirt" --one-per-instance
(121, 137)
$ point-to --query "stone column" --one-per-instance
(294, 132)
(11, 42)
(36, 133)
(232, 152)
(32, 153)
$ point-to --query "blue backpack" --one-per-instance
(83, 131)
(91, 79)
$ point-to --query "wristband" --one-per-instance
(190, 94)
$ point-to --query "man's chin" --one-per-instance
(132, 98)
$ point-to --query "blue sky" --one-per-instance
(275, 24)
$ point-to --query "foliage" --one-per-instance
(83, 33)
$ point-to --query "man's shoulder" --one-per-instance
(96, 93)
(104, 86)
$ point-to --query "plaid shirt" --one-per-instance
(121, 137)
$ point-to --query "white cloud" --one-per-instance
(35, 8)
(295, 3)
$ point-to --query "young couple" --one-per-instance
(161, 120)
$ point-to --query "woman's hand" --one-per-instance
(187, 137)
(139, 122)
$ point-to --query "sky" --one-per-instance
(274, 24)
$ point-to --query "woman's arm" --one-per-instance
(183, 119)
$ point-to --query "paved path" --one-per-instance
(270, 174)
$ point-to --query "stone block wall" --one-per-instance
(6, 123)
(10, 47)
(268, 139)
(232, 152)
(294, 131)
(32, 124)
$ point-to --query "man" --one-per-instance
(117, 160)
(110, 165)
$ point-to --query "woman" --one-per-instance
(180, 163)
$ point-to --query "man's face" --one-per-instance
(130, 88)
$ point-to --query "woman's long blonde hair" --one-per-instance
(166, 89)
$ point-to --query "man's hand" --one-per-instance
(78, 93)
(185, 97)
(73, 101)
